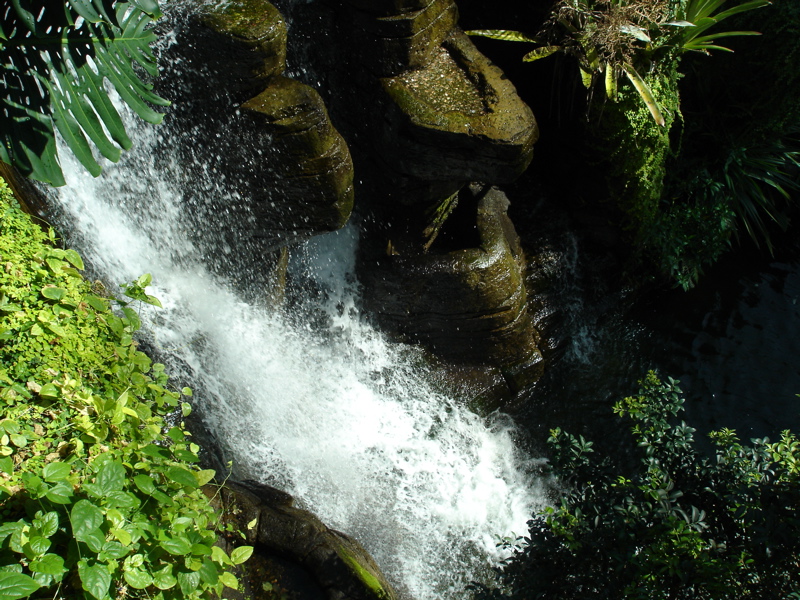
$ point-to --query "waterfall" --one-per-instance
(311, 399)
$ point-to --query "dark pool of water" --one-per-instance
(733, 341)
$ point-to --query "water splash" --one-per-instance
(313, 400)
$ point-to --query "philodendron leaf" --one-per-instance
(54, 79)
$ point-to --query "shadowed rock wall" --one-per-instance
(425, 115)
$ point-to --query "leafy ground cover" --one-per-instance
(100, 492)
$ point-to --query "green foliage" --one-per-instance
(634, 149)
(99, 489)
(689, 235)
(682, 526)
(610, 38)
(56, 58)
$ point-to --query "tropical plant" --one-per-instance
(615, 37)
(683, 526)
(100, 492)
(55, 61)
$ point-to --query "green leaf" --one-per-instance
(95, 579)
(56, 471)
(507, 35)
(637, 32)
(113, 551)
(542, 52)
(94, 538)
(229, 580)
(163, 579)
(48, 523)
(60, 493)
(188, 582)
(49, 392)
(122, 535)
(121, 500)
(20, 441)
(182, 476)
(204, 476)
(74, 259)
(38, 546)
(209, 572)
(99, 304)
(16, 585)
(155, 451)
(218, 555)
(145, 483)
(177, 546)
(110, 477)
(49, 564)
(85, 517)
(645, 93)
(53, 293)
(7, 465)
(138, 578)
(241, 554)
(64, 91)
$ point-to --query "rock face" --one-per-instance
(465, 297)
(425, 115)
(267, 137)
(440, 117)
(337, 566)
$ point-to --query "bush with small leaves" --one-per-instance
(683, 526)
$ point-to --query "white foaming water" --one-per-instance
(315, 401)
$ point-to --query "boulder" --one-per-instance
(282, 173)
(465, 298)
(388, 41)
(341, 569)
(457, 118)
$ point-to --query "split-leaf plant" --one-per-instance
(100, 492)
(55, 60)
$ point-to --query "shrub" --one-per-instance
(682, 526)
(99, 489)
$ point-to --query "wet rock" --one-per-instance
(466, 297)
(267, 139)
(314, 172)
(457, 118)
(337, 565)
(388, 40)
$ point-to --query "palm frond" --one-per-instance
(54, 67)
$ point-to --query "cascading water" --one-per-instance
(314, 401)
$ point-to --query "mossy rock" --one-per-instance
(465, 298)
(457, 118)
(312, 161)
(255, 24)
(390, 44)
(337, 563)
